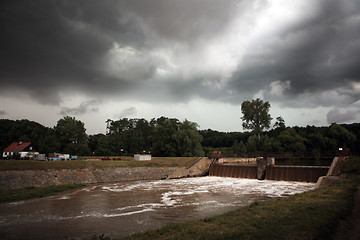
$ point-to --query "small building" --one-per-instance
(142, 157)
(19, 150)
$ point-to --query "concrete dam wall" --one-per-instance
(38, 178)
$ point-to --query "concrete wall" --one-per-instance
(251, 161)
(142, 157)
(30, 178)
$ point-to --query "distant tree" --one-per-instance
(72, 136)
(176, 139)
(256, 116)
(280, 123)
(291, 141)
(131, 135)
(340, 137)
(164, 142)
(251, 144)
(239, 147)
(106, 146)
(50, 143)
(189, 140)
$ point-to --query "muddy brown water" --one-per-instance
(120, 209)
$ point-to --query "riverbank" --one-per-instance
(12, 179)
(33, 192)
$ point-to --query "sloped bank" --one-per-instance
(38, 178)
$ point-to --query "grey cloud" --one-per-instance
(128, 112)
(85, 107)
(2, 112)
(50, 47)
(337, 115)
(184, 21)
(319, 53)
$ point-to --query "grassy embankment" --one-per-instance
(311, 215)
(34, 192)
(95, 163)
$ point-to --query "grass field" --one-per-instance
(34, 192)
(92, 162)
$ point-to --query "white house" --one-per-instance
(19, 150)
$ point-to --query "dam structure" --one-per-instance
(255, 168)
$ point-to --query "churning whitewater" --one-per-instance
(123, 208)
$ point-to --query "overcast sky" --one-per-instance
(189, 59)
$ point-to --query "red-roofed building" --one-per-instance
(19, 150)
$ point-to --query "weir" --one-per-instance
(295, 173)
(267, 170)
(232, 170)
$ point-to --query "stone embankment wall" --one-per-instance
(31, 178)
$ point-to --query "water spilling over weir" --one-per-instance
(279, 173)
(123, 208)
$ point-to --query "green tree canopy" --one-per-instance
(175, 139)
(189, 140)
(72, 136)
(256, 116)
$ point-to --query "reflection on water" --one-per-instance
(123, 208)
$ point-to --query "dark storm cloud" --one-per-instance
(319, 53)
(85, 107)
(142, 49)
(186, 20)
(49, 46)
(52, 46)
(341, 116)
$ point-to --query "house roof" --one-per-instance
(17, 147)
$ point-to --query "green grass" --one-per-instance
(310, 215)
(95, 163)
(351, 166)
(34, 192)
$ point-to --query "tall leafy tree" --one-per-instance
(72, 136)
(164, 139)
(189, 140)
(256, 116)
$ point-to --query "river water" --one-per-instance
(120, 209)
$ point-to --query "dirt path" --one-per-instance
(349, 229)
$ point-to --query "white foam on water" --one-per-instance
(128, 213)
(64, 197)
(167, 200)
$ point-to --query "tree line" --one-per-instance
(160, 137)
(171, 137)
